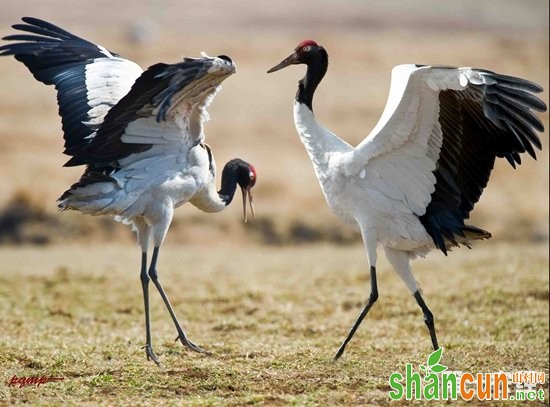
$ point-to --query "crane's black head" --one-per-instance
(239, 172)
(307, 52)
(316, 58)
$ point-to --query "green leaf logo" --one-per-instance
(438, 368)
(433, 363)
(434, 357)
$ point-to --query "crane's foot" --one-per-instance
(187, 343)
(150, 354)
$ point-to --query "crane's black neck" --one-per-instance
(228, 187)
(234, 173)
(317, 65)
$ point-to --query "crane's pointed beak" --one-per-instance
(247, 196)
(291, 60)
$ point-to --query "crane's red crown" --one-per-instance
(253, 173)
(306, 43)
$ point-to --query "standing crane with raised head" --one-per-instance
(139, 135)
(413, 181)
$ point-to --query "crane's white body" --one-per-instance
(358, 199)
(177, 168)
(150, 186)
(382, 186)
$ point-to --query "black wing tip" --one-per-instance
(43, 30)
(510, 104)
(33, 20)
(37, 22)
(513, 81)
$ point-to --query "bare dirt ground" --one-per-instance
(270, 305)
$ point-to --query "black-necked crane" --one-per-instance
(139, 134)
(412, 182)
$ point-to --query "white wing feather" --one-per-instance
(107, 81)
(400, 154)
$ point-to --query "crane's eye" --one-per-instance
(252, 178)
(305, 49)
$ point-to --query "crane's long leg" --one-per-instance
(372, 299)
(370, 240)
(145, 286)
(154, 277)
(401, 263)
(143, 234)
(428, 318)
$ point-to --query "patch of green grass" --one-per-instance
(272, 318)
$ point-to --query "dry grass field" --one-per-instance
(272, 317)
(272, 299)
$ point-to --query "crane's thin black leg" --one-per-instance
(145, 286)
(428, 318)
(372, 299)
(181, 334)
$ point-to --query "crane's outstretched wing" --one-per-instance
(167, 104)
(88, 78)
(436, 142)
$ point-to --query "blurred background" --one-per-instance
(252, 116)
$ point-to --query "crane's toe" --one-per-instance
(186, 342)
(151, 355)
